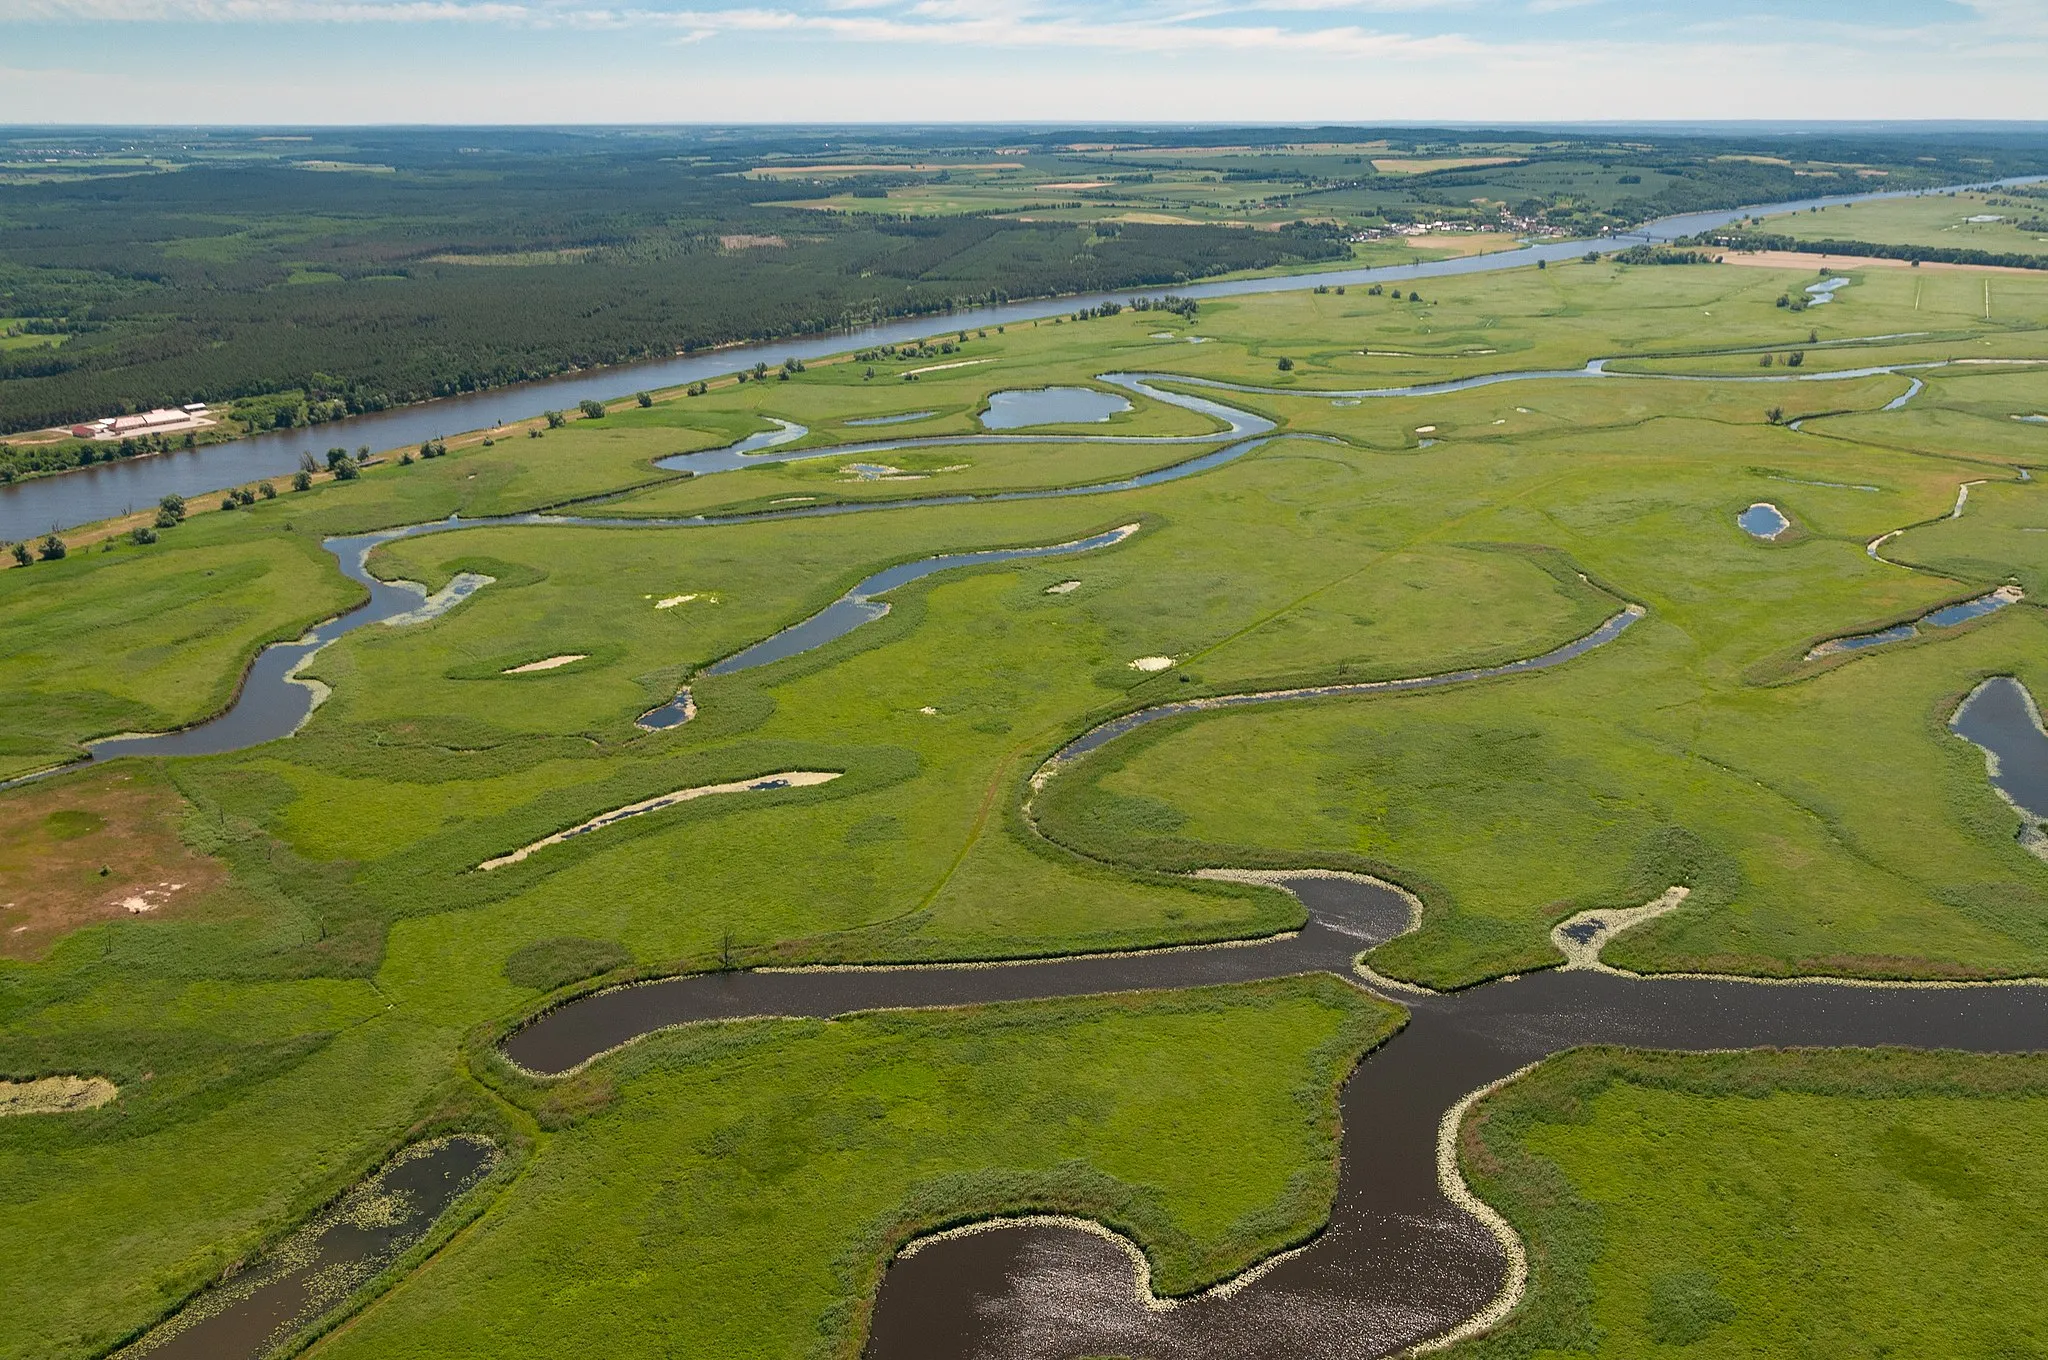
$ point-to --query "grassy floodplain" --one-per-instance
(1797, 1204)
(340, 987)
(2008, 222)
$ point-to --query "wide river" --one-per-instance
(37, 506)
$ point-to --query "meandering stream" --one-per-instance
(106, 489)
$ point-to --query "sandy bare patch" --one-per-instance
(1580, 938)
(1425, 429)
(1797, 259)
(547, 663)
(1063, 588)
(1077, 184)
(1151, 663)
(671, 601)
(55, 1095)
(102, 848)
(787, 779)
(940, 368)
(742, 241)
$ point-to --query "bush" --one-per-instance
(1286, 364)
(172, 507)
(644, 399)
(22, 556)
(141, 535)
(166, 520)
(554, 419)
(266, 491)
(591, 409)
(301, 480)
(1795, 359)
(227, 502)
(346, 470)
(51, 549)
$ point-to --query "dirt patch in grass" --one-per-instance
(93, 849)
(54, 1095)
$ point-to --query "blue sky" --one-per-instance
(544, 61)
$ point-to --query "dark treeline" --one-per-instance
(362, 290)
(350, 270)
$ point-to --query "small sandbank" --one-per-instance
(55, 1095)
(1580, 938)
(548, 664)
(787, 779)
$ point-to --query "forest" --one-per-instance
(309, 276)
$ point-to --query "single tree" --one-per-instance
(51, 548)
(645, 399)
(172, 505)
(22, 556)
(266, 490)
(1286, 364)
(1775, 414)
(141, 535)
(346, 470)
(555, 419)
(301, 480)
(306, 463)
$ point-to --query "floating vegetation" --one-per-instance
(295, 1283)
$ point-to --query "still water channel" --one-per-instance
(106, 489)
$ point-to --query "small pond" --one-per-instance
(2000, 717)
(1763, 520)
(1824, 291)
(1022, 407)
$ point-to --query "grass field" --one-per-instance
(1992, 221)
(1789, 1204)
(339, 985)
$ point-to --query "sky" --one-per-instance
(1059, 61)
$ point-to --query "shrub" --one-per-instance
(22, 556)
(172, 506)
(591, 409)
(335, 458)
(266, 491)
(51, 548)
(141, 535)
(244, 496)
(554, 419)
(1286, 364)
(644, 399)
(1795, 359)
(346, 470)
(166, 520)
(301, 480)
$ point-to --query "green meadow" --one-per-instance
(738, 1190)
(1790, 1203)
